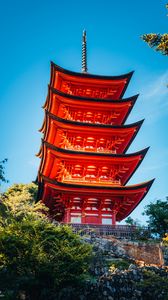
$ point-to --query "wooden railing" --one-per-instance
(119, 231)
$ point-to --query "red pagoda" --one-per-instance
(84, 166)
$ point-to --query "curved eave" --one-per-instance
(88, 75)
(44, 125)
(66, 151)
(72, 125)
(84, 189)
(138, 126)
(148, 186)
(64, 154)
(73, 97)
(89, 125)
(55, 68)
(39, 154)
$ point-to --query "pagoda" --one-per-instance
(84, 166)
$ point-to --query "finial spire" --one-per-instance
(84, 53)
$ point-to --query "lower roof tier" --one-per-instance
(85, 137)
(85, 167)
(93, 86)
(86, 111)
(120, 200)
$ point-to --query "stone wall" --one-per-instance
(146, 252)
(108, 281)
(149, 253)
(143, 283)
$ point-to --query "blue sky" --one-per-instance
(35, 32)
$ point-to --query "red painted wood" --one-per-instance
(84, 168)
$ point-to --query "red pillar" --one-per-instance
(67, 215)
(114, 218)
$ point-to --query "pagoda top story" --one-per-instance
(84, 166)
(96, 86)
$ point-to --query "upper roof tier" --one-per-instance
(89, 85)
(109, 112)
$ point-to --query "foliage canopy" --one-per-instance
(37, 257)
(158, 216)
(2, 173)
(157, 41)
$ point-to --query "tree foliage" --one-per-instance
(165, 240)
(158, 217)
(2, 173)
(153, 285)
(37, 257)
(157, 41)
(130, 221)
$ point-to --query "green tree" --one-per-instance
(2, 173)
(130, 221)
(38, 258)
(158, 217)
(157, 41)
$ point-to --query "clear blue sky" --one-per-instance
(35, 32)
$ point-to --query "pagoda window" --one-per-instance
(78, 143)
(92, 199)
(76, 207)
(79, 116)
(106, 221)
(77, 171)
(98, 118)
(89, 117)
(94, 208)
(101, 144)
(77, 199)
(91, 172)
(104, 173)
(90, 143)
(88, 208)
(76, 220)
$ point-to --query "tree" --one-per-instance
(165, 239)
(157, 41)
(37, 257)
(130, 221)
(158, 217)
(2, 173)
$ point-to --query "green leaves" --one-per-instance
(2, 173)
(158, 217)
(157, 41)
(37, 257)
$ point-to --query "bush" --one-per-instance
(37, 258)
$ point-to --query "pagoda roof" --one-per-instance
(128, 196)
(88, 75)
(125, 105)
(69, 123)
(53, 122)
(85, 154)
(69, 97)
(61, 78)
(50, 161)
(74, 97)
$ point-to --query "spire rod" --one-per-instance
(84, 53)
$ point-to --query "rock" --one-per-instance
(132, 267)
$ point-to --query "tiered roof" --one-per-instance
(83, 160)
